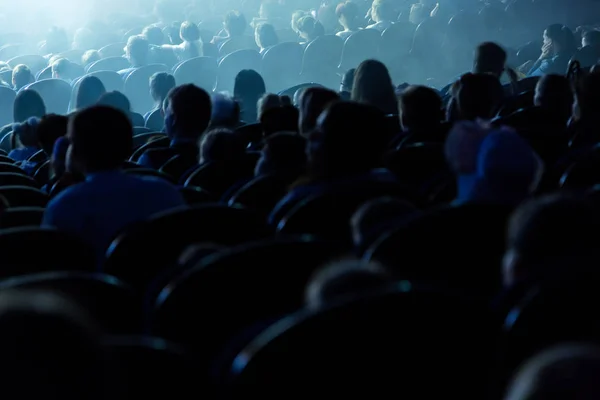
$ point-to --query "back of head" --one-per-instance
(312, 103)
(90, 90)
(562, 38)
(248, 85)
(341, 144)
(50, 128)
(101, 138)
(591, 38)
(462, 146)
(189, 32)
(552, 229)
(90, 57)
(50, 348)
(225, 111)
(267, 102)
(567, 371)
(137, 50)
(188, 111)
(161, 84)
(28, 103)
(588, 95)
(344, 280)
(266, 36)
(383, 10)
(282, 153)
(235, 23)
(373, 85)
(489, 58)
(478, 96)
(349, 11)
(154, 35)
(62, 68)
(22, 76)
(222, 146)
(420, 106)
(116, 100)
(554, 93)
(310, 28)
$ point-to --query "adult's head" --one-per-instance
(490, 58)
(52, 347)
(554, 93)
(373, 86)
(376, 217)
(265, 36)
(161, 83)
(222, 146)
(187, 112)
(90, 57)
(309, 28)
(63, 69)
(50, 128)
(189, 32)
(477, 96)
(348, 15)
(296, 17)
(283, 153)
(90, 90)
(346, 142)
(154, 35)
(101, 138)
(587, 96)
(137, 50)
(590, 38)
(312, 102)
(547, 236)
(21, 76)
(560, 39)
(225, 112)
(348, 81)
(344, 280)
(235, 23)
(115, 100)
(383, 10)
(568, 371)
(28, 104)
(420, 107)
(248, 88)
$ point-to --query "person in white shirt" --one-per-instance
(191, 47)
(383, 14)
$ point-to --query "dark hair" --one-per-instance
(28, 103)
(313, 101)
(222, 146)
(192, 108)
(554, 93)
(311, 27)
(154, 35)
(477, 96)
(189, 32)
(348, 79)
(249, 87)
(115, 100)
(563, 37)
(138, 49)
(235, 23)
(283, 152)
(420, 106)
(348, 10)
(161, 83)
(373, 85)
(592, 37)
(50, 128)
(89, 92)
(22, 76)
(489, 58)
(101, 138)
(266, 35)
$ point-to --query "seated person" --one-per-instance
(191, 46)
(21, 77)
(136, 51)
(119, 101)
(26, 138)
(108, 200)
(187, 115)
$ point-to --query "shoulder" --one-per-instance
(68, 199)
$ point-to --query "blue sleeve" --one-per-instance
(145, 161)
(539, 68)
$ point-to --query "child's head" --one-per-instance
(26, 132)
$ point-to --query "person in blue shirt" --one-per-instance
(109, 200)
(557, 50)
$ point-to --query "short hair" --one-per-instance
(489, 58)
(311, 27)
(101, 138)
(62, 67)
(349, 9)
(554, 92)
(343, 280)
(592, 37)
(266, 36)
(282, 152)
(420, 105)
(192, 109)
(90, 57)
(154, 35)
(189, 32)
(50, 128)
(383, 10)
(138, 48)
(222, 146)
(28, 103)
(161, 83)
(235, 23)
(90, 91)
(22, 76)
(478, 96)
(313, 101)
(116, 100)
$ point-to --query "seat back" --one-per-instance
(281, 65)
(7, 100)
(200, 71)
(232, 64)
(56, 94)
(360, 46)
(114, 64)
(137, 87)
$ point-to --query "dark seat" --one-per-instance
(262, 193)
(157, 243)
(161, 141)
(42, 173)
(153, 368)
(29, 250)
(24, 196)
(21, 216)
(56, 94)
(147, 137)
(176, 167)
(10, 167)
(114, 64)
(40, 156)
(14, 179)
(7, 100)
(252, 283)
(109, 301)
(389, 337)
(150, 172)
(196, 196)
